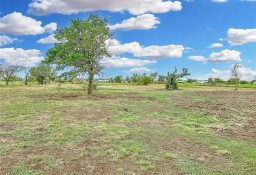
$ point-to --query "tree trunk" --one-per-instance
(90, 85)
(26, 81)
(237, 82)
(6, 82)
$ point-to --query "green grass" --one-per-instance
(241, 153)
(147, 126)
(189, 166)
(21, 169)
(127, 117)
(248, 85)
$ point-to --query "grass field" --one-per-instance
(127, 130)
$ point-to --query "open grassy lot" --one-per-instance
(126, 130)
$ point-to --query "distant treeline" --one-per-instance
(44, 74)
(138, 79)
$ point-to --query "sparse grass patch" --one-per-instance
(154, 130)
(127, 148)
(21, 169)
(190, 166)
(146, 164)
(127, 117)
(242, 154)
(44, 160)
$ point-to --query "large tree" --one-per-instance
(81, 47)
(8, 71)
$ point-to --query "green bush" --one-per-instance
(190, 80)
(118, 79)
(172, 78)
(144, 80)
(244, 82)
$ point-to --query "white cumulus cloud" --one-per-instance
(118, 62)
(19, 56)
(154, 51)
(198, 58)
(47, 40)
(243, 73)
(17, 24)
(52, 27)
(5, 40)
(225, 55)
(136, 7)
(222, 56)
(145, 21)
(140, 70)
(115, 47)
(241, 36)
(223, 74)
(169, 51)
(216, 45)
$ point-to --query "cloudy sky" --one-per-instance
(206, 36)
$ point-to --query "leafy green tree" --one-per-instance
(218, 80)
(232, 81)
(144, 80)
(7, 72)
(118, 79)
(81, 47)
(190, 80)
(43, 73)
(134, 78)
(67, 77)
(14, 78)
(173, 77)
(244, 82)
(111, 80)
(210, 81)
(127, 79)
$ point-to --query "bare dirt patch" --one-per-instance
(76, 159)
(86, 112)
(5, 127)
(179, 145)
(236, 107)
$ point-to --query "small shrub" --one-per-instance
(144, 80)
(172, 78)
(244, 82)
(118, 79)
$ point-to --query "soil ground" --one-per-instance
(124, 129)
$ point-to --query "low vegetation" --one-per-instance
(171, 79)
(127, 129)
(8, 72)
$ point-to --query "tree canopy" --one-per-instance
(81, 47)
(173, 77)
(43, 73)
(8, 71)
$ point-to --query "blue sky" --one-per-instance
(205, 36)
